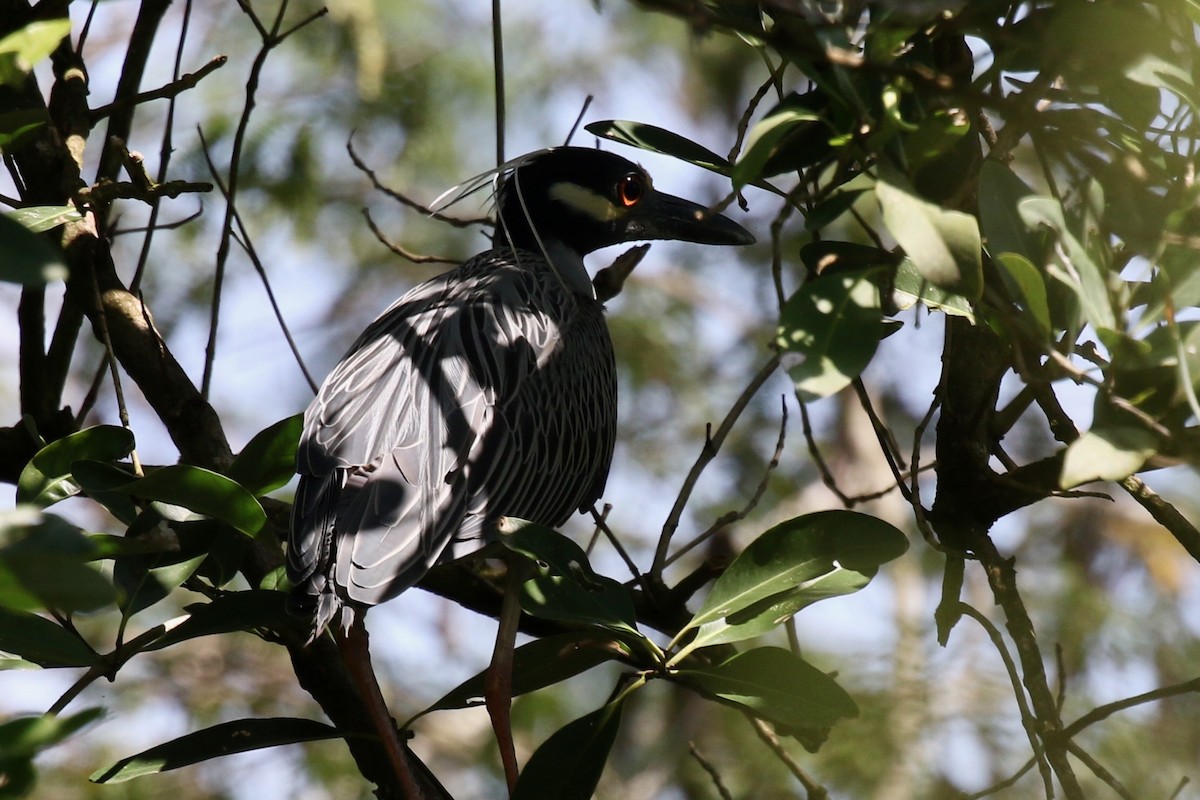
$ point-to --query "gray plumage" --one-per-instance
(488, 391)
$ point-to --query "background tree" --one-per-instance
(975, 288)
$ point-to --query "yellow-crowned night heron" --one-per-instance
(488, 391)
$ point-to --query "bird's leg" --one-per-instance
(355, 649)
(497, 684)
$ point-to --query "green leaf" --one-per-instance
(234, 611)
(203, 492)
(1073, 267)
(1030, 288)
(43, 642)
(146, 580)
(538, 664)
(909, 286)
(766, 138)
(569, 764)
(25, 258)
(47, 477)
(26, 736)
(566, 588)
(1106, 454)
(659, 140)
(1004, 231)
(43, 564)
(776, 685)
(220, 740)
(828, 332)
(18, 126)
(832, 207)
(827, 256)
(103, 482)
(942, 243)
(269, 459)
(38, 219)
(949, 609)
(793, 565)
(24, 48)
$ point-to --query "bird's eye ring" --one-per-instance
(631, 189)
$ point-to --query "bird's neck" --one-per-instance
(568, 265)
(562, 259)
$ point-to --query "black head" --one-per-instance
(587, 199)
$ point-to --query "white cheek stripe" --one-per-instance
(585, 201)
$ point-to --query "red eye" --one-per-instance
(630, 190)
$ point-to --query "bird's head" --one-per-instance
(586, 199)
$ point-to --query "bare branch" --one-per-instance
(712, 445)
(408, 255)
(169, 91)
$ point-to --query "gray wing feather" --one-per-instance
(437, 416)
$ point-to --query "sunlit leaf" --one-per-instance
(909, 286)
(829, 331)
(790, 566)
(569, 764)
(1074, 267)
(47, 478)
(765, 139)
(22, 49)
(269, 459)
(943, 244)
(1030, 286)
(38, 219)
(775, 685)
(1108, 454)
(830, 209)
(204, 492)
(220, 740)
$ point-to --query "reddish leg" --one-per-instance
(497, 684)
(356, 653)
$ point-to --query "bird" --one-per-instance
(487, 392)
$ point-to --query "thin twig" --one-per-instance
(712, 445)
(1000, 786)
(603, 525)
(408, 255)
(1098, 770)
(730, 517)
(168, 92)
(1028, 721)
(1108, 709)
(711, 770)
(818, 460)
(887, 442)
(587, 101)
(408, 201)
(270, 40)
(498, 77)
(165, 150)
(815, 790)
